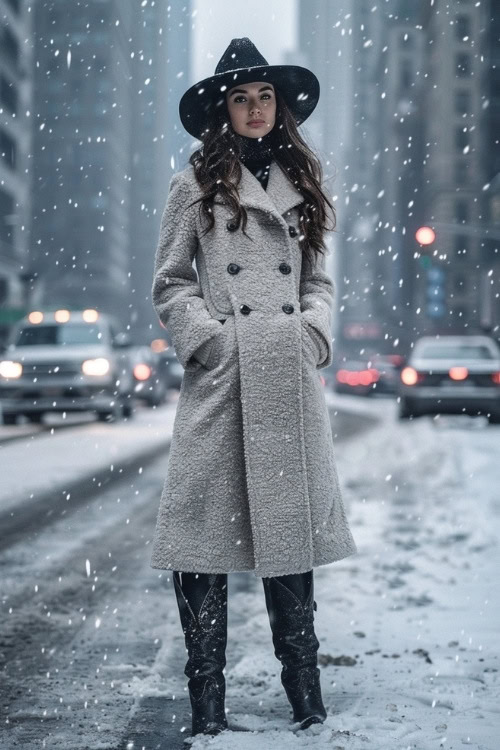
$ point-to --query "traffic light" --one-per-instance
(425, 236)
(435, 292)
(435, 276)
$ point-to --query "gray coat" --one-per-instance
(252, 481)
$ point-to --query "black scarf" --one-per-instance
(256, 154)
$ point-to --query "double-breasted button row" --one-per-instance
(234, 268)
(287, 308)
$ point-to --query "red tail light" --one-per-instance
(458, 373)
(496, 377)
(142, 372)
(410, 376)
(358, 377)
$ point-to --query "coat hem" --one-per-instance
(187, 565)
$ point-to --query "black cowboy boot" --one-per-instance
(290, 605)
(202, 602)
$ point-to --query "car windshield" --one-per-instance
(67, 334)
(455, 351)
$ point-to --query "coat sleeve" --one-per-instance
(316, 304)
(176, 293)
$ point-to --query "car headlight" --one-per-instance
(10, 369)
(99, 366)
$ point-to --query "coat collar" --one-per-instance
(281, 195)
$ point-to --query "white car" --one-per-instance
(65, 361)
(452, 375)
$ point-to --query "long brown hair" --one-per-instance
(217, 169)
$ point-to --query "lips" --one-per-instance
(256, 122)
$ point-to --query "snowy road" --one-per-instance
(92, 651)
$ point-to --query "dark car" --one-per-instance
(174, 371)
(150, 379)
(355, 377)
(452, 375)
(388, 367)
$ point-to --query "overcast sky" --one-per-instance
(270, 24)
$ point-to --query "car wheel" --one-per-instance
(494, 418)
(128, 409)
(111, 416)
(10, 418)
(35, 416)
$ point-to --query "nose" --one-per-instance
(255, 110)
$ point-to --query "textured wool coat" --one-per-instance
(252, 481)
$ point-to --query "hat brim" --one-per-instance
(298, 86)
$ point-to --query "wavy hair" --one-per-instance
(218, 170)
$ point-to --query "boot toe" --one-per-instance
(305, 723)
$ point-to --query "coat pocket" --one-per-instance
(212, 353)
(311, 342)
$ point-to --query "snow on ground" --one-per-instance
(46, 461)
(409, 626)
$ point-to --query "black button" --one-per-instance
(232, 225)
(292, 231)
(287, 308)
(233, 268)
(244, 309)
(284, 268)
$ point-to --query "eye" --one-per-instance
(240, 97)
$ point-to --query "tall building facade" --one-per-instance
(161, 145)
(82, 142)
(16, 114)
(419, 147)
(341, 42)
(455, 166)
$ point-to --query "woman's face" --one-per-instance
(250, 102)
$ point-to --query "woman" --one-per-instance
(252, 481)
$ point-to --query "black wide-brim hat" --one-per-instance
(243, 63)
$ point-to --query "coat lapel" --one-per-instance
(281, 195)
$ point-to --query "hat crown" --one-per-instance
(240, 53)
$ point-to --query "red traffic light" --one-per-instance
(425, 235)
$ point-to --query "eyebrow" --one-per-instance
(245, 91)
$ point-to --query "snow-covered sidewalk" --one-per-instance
(56, 459)
(409, 626)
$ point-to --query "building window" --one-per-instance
(15, 5)
(8, 95)
(462, 26)
(461, 138)
(462, 102)
(7, 149)
(462, 64)
(6, 218)
(9, 44)
(405, 73)
(462, 210)
(461, 246)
